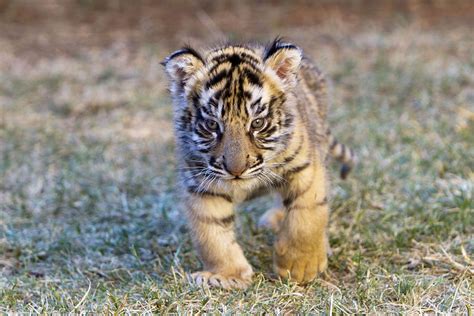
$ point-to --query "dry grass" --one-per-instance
(89, 219)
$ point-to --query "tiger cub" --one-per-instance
(252, 119)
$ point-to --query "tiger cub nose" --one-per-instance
(235, 166)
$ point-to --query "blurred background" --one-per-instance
(66, 27)
(88, 206)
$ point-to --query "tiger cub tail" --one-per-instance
(343, 154)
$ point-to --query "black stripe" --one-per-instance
(289, 200)
(297, 151)
(242, 66)
(203, 133)
(185, 119)
(275, 46)
(217, 78)
(247, 95)
(266, 147)
(288, 121)
(252, 77)
(269, 140)
(268, 130)
(343, 152)
(289, 203)
(240, 93)
(249, 58)
(213, 68)
(294, 195)
(260, 109)
(195, 100)
(194, 190)
(218, 93)
(255, 103)
(236, 58)
(297, 169)
(279, 98)
(224, 222)
(220, 58)
(184, 50)
(213, 102)
(205, 110)
(345, 170)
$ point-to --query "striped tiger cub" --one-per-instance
(251, 119)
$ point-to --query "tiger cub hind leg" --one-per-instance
(273, 218)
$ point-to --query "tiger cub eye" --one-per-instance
(212, 125)
(257, 123)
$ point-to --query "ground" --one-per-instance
(89, 214)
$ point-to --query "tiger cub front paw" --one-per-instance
(206, 278)
(299, 263)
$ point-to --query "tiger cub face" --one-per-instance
(234, 109)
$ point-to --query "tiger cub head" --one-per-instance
(234, 107)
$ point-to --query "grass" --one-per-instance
(89, 217)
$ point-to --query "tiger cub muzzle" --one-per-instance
(235, 157)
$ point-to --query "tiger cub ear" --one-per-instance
(182, 64)
(284, 59)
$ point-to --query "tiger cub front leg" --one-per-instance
(211, 221)
(300, 249)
